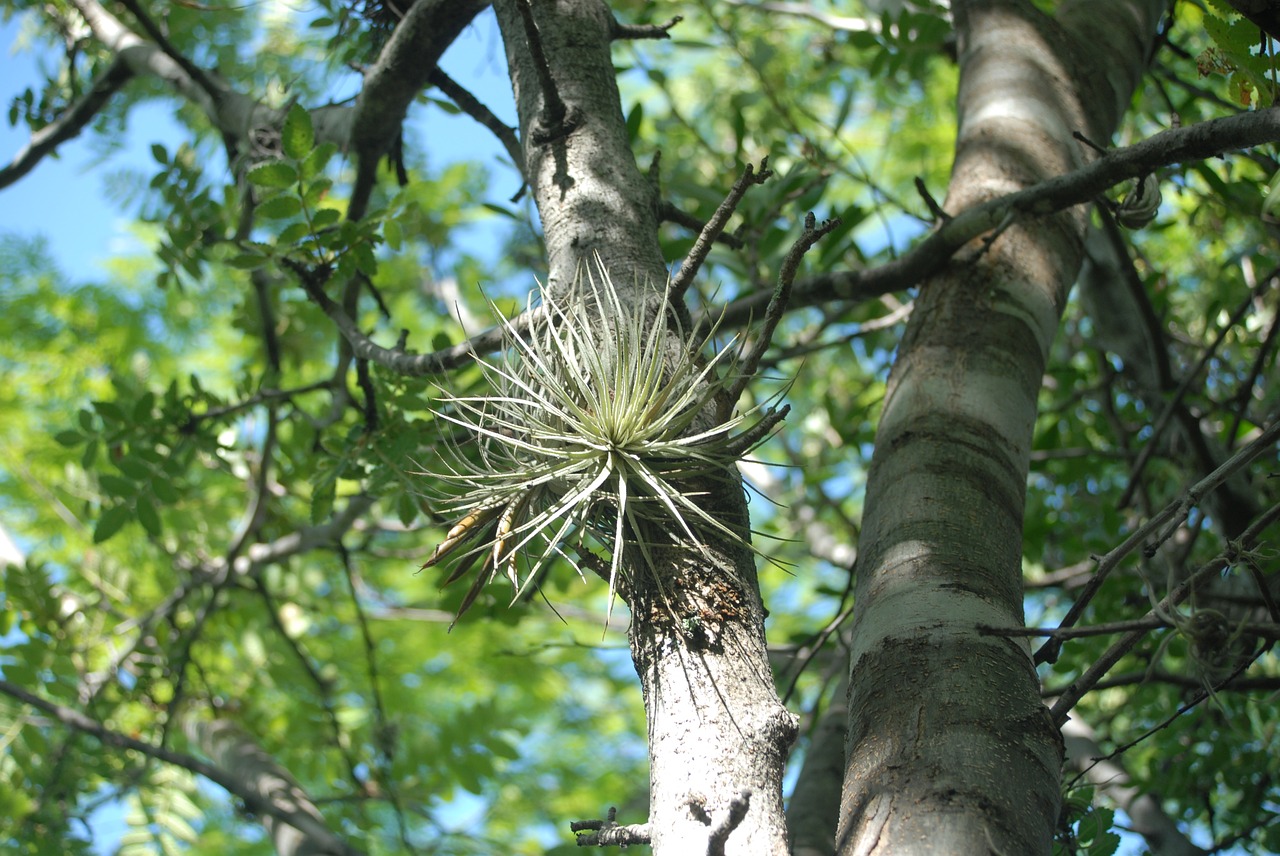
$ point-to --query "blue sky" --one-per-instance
(64, 197)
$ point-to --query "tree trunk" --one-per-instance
(718, 734)
(949, 747)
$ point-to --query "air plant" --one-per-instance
(599, 421)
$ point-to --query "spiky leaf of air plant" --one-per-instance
(593, 431)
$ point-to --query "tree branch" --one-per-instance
(1162, 525)
(608, 832)
(555, 121)
(292, 809)
(401, 72)
(643, 31)
(395, 359)
(197, 74)
(69, 124)
(145, 58)
(778, 301)
(266, 782)
(1086, 682)
(473, 107)
(698, 253)
(1178, 145)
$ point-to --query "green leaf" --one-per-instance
(293, 233)
(322, 500)
(248, 261)
(325, 217)
(158, 152)
(147, 515)
(273, 174)
(297, 138)
(116, 485)
(164, 490)
(142, 409)
(392, 233)
(280, 207)
(110, 411)
(634, 120)
(69, 438)
(319, 158)
(498, 209)
(445, 105)
(406, 509)
(134, 467)
(317, 190)
(366, 262)
(110, 522)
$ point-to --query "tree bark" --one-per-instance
(232, 750)
(718, 734)
(949, 748)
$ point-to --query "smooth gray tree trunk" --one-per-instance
(950, 749)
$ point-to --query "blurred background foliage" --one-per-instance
(146, 430)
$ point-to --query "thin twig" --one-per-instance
(384, 736)
(396, 359)
(698, 253)
(1255, 371)
(1072, 694)
(1149, 623)
(935, 209)
(1204, 693)
(778, 302)
(1162, 526)
(1174, 404)
(669, 213)
(1179, 145)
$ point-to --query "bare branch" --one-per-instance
(671, 214)
(556, 120)
(1086, 682)
(807, 10)
(396, 359)
(1178, 145)
(1173, 405)
(643, 31)
(267, 782)
(698, 253)
(197, 74)
(145, 58)
(1162, 525)
(290, 809)
(609, 833)
(69, 124)
(402, 70)
(778, 301)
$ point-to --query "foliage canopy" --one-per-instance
(217, 495)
